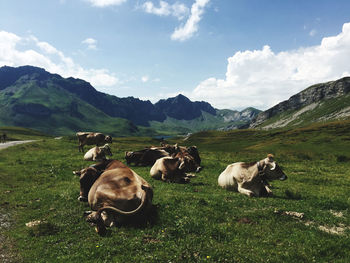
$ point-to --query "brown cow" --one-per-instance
(145, 157)
(114, 192)
(92, 138)
(251, 178)
(172, 169)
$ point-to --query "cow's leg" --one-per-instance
(268, 190)
(245, 191)
(95, 218)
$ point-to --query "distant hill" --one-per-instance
(318, 103)
(34, 98)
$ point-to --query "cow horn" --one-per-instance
(182, 165)
(273, 166)
(77, 173)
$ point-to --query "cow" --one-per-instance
(92, 138)
(251, 178)
(191, 164)
(172, 169)
(173, 150)
(98, 153)
(114, 192)
(145, 157)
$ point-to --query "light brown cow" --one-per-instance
(251, 178)
(92, 138)
(171, 169)
(98, 153)
(114, 193)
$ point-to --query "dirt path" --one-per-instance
(13, 143)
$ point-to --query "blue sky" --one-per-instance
(231, 53)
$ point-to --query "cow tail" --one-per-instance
(128, 213)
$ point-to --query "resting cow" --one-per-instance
(145, 157)
(172, 169)
(92, 138)
(114, 193)
(251, 178)
(98, 153)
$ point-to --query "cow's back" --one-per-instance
(119, 187)
(228, 178)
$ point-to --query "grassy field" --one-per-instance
(307, 219)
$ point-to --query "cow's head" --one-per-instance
(108, 139)
(187, 163)
(128, 157)
(272, 170)
(193, 151)
(106, 149)
(88, 176)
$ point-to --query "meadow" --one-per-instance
(306, 220)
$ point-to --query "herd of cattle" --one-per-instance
(115, 192)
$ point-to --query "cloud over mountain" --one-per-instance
(19, 51)
(187, 30)
(262, 78)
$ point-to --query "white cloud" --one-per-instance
(262, 78)
(187, 30)
(91, 43)
(105, 3)
(165, 9)
(312, 33)
(144, 79)
(18, 51)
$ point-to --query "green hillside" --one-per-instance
(53, 110)
(306, 220)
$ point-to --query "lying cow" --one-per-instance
(173, 150)
(251, 178)
(92, 138)
(191, 164)
(146, 157)
(114, 192)
(98, 153)
(172, 169)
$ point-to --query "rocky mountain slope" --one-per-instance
(320, 102)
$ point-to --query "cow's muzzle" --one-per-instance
(283, 177)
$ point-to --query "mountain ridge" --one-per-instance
(321, 101)
(35, 93)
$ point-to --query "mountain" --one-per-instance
(34, 98)
(318, 103)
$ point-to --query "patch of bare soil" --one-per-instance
(334, 230)
(6, 246)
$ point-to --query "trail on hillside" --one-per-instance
(13, 143)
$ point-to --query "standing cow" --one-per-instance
(114, 192)
(251, 178)
(92, 138)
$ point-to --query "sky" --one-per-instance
(231, 53)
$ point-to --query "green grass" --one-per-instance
(197, 222)
(18, 133)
